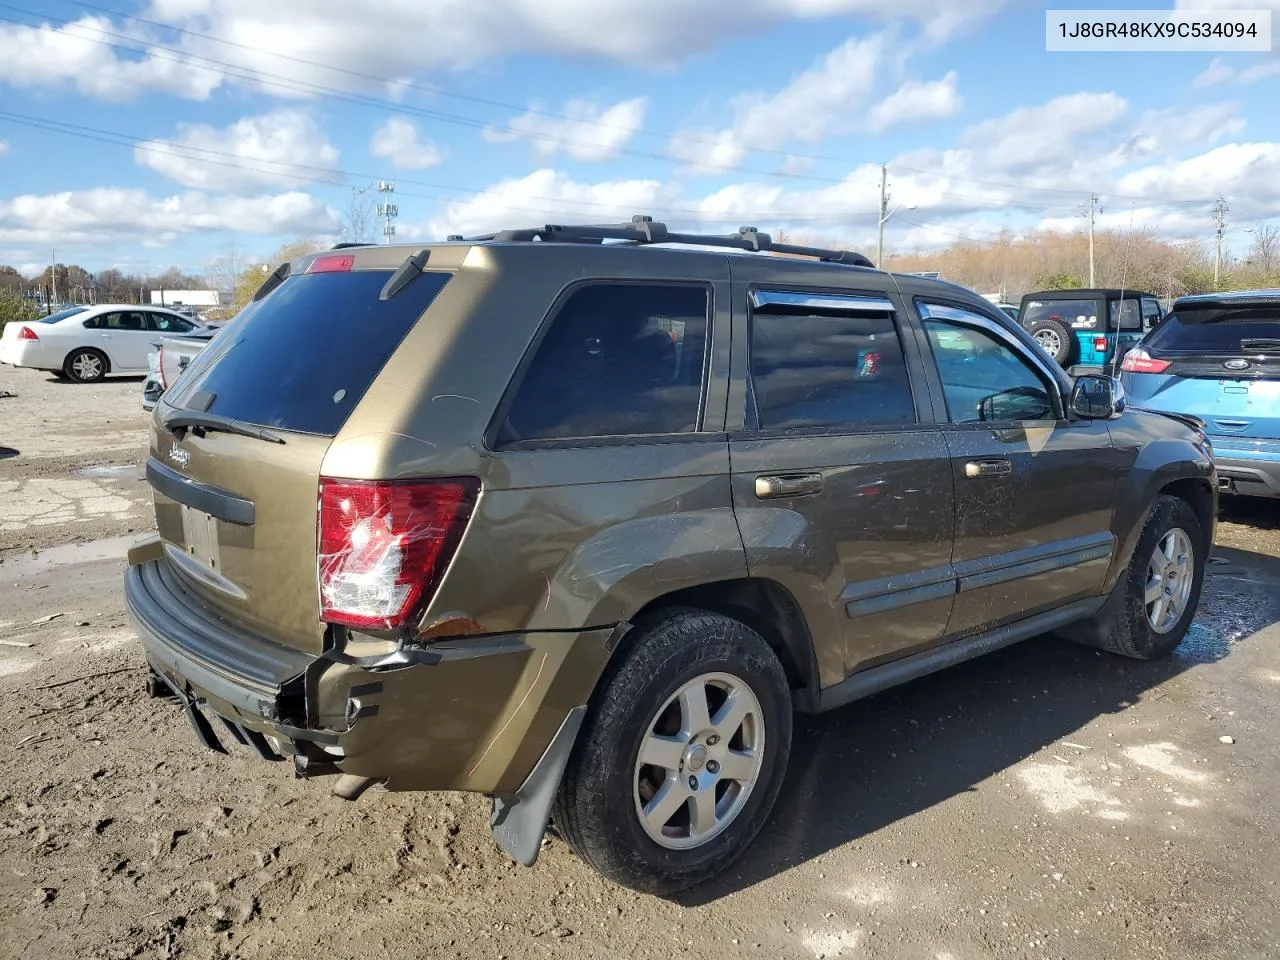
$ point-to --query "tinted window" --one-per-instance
(837, 370)
(983, 378)
(63, 314)
(1128, 312)
(1150, 312)
(124, 321)
(301, 358)
(618, 360)
(1075, 314)
(1218, 332)
(168, 323)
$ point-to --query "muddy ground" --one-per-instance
(1047, 801)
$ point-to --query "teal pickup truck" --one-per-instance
(1089, 330)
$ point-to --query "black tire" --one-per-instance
(596, 808)
(1065, 339)
(78, 360)
(1129, 631)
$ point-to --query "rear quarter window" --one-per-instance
(617, 360)
(303, 357)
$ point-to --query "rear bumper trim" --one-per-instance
(200, 496)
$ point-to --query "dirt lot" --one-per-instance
(1047, 801)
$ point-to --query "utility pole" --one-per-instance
(387, 211)
(884, 211)
(53, 283)
(1220, 220)
(1091, 211)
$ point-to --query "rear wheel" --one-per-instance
(86, 365)
(1161, 589)
(1055, 338)
(682, 756)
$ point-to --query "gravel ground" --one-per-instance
(1047, 801)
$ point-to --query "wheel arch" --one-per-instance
(765, 606)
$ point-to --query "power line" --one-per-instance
(270, 79)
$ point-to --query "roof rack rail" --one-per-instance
(643, 230)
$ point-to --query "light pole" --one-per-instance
(884, 218)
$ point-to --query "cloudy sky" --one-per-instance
(143, 135)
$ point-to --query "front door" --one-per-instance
(1034, 491)
(841, 481)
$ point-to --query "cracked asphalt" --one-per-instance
(1047, 801)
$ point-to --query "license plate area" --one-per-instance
(200, 534)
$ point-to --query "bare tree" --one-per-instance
(1264, 254)
(358, 223)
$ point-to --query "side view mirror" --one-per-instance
(1096, 397)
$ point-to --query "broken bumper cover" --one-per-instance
(472, 715)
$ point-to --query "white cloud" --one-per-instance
(431, 36)
(543, 197)
(1064, 129)
(584, 130)
(816, 103)
(4, 147)
(399, 141)
(1260, 71)
(68, 56)
(1161, 132)
(1217, 72)
(253, 152)
(107, 216)
(917, 102)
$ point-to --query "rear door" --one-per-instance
(237, 514)
(1033, 489)
(1218, 362)
(841, 482)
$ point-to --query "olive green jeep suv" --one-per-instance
(576, 517)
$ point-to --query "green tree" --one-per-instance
(15, 309)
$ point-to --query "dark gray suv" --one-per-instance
(576, 517)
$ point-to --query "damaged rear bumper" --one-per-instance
(473, 715)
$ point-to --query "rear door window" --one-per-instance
(839, 368)
(302, 358)
(618, 360)
(1125, 315)
(1074, 314)
(1150, 313)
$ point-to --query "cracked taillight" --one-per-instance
(384, 546)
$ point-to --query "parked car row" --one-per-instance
(85, 344)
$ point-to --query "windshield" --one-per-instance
(1076, 314)
(1215, 331)
(63, 314)
(301, 358)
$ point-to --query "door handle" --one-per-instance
(790, 485)
(975, 469)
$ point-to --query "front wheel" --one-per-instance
(682, 756)
(1161, 588)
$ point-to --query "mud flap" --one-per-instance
(519, 822)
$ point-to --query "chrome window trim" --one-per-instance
(762, 299)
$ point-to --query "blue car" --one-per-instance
(1217, 358)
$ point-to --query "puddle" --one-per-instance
(95, 551)
(127, 471)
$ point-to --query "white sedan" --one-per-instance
(85, 344)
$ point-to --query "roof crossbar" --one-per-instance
(643, 230)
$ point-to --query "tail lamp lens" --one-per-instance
(26, 333)
(384, 546)
(1139, 361)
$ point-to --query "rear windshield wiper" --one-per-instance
(1260, 345)
(195, 420)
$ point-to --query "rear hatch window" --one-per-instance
(1214, 341)
(302, 358)
(1075, 314)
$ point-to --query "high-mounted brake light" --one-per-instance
(383, 547)
(334, 263)
(26, 333)
(1139, 361)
